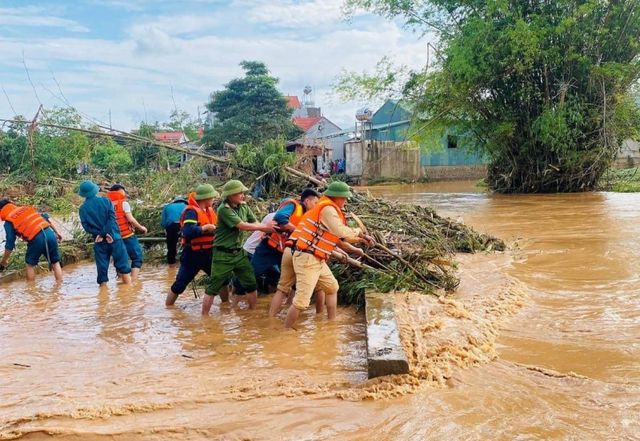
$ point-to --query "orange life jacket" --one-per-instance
(313, 237)
(26, 221)
(277, 239)
(207, 216)
(126, 229)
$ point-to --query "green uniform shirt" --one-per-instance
(227, 235)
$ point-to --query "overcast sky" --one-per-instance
(127, 55)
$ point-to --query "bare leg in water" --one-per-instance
(332, 306)
(57, 271)
(251, 298)
(207, 300)
(276, 303)
(31, 273)
(320, 298)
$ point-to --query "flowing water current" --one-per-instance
(541, 342)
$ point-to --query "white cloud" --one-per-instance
(157, 35)
(177, 24)
(295, 14)
(37, 17)
(125, 5)
(100, 74)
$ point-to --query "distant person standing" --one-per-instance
(171, 214)
(128, 226)
(39, 233)
(98, 218)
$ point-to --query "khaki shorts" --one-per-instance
(311, 273)
(287, 274)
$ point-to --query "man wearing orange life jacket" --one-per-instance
(320, 231)
(198, 225)
(35, 228)
(287, 217)
(128, 225)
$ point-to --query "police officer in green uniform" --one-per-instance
(234, 217)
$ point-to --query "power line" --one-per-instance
(26, 69)
(9, 101)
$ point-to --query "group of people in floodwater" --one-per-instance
(287, 251)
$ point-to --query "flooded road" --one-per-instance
(556, 358)
(577, 255)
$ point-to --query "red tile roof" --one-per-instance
(306, 123)
(168, 136)
(293, 102)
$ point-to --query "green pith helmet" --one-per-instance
(338, 189)
(233, 187)
(206, 191)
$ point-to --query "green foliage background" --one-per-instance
(545, 88)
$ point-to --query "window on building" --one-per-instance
(452, 141)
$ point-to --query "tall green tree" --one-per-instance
(250, 110)
(110, 156)
(544, 87)
(45, 151)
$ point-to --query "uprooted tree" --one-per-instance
(543, 88)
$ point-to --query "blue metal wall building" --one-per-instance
(391, 122)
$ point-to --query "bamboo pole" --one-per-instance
(391, 253)
(121, 134)
(406, 262)
(353, 262)
(133, 137)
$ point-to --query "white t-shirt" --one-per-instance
(256, 237)
(126, 207)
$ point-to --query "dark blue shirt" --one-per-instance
(191, 229)
(11, 235)
(98, 217)
(171, 213)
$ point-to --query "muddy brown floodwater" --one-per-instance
(542, 342)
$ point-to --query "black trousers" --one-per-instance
(173, 235)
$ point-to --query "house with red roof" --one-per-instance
(320, 133)
(175, 138)
(179, 139)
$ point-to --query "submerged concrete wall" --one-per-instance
(385, 353)
(455, 172)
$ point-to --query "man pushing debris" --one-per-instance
(234, 216)
(287, 217)
(198, 226)
(128, 226)
(320, 231)
(98, 218)
(39, 233)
